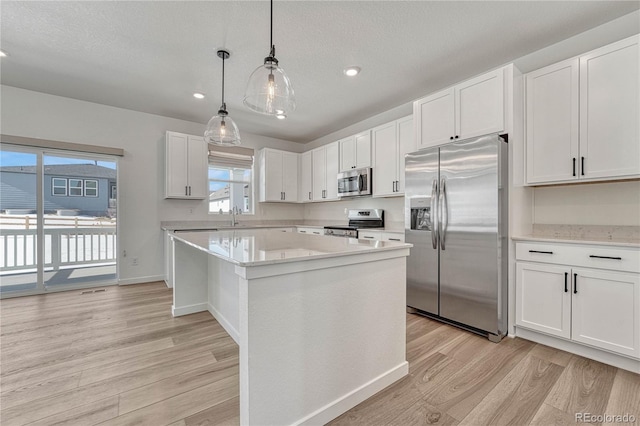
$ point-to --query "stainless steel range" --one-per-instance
(363, 218)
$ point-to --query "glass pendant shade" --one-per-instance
(222, 130)
(269, 91)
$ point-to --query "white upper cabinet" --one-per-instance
(278, 176)
(552, 123)
(305, 172)
(355, 151)
(610, 111)
(325, 166)
(582, 117)
(186, 160)
(390, 143)
(469, 109)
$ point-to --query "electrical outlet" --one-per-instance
(134, 261)
(124, 253)
(191, 211)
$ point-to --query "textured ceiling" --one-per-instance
(151, 56)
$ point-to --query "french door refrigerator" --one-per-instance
(456, 216)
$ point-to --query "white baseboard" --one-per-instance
(582, 350)
(189, 309)
(355, 397)
(224, 323)
(140, 280)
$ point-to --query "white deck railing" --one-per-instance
(63, 247)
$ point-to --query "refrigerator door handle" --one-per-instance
(444, 213)
(434, 214)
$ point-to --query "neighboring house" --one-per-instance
(86, 188)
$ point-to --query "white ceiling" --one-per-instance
(151, 56)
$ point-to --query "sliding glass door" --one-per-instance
(58, 221)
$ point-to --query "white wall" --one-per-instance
(335, 210)
(141, 170)
(615, 203)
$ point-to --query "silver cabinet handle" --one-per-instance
(302, 232)
(394, 239)
(367, 237)
(186, 190)
(309, 194)
(189, 189)
(444, 210)
(434, 214)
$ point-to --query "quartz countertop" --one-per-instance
(253, 247)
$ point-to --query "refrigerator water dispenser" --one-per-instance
(421, 214)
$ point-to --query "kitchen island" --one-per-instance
(320, 321)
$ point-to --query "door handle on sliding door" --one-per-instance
(444, 211)
(434, 214)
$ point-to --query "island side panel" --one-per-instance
(189, 279)
(223, 303)
(314, 344)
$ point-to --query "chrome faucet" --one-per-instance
(233, 212)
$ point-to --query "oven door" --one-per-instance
(354, 183)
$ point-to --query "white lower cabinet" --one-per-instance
(381, 236)
(597, 305)
(310, 230)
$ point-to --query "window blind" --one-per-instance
(231, 156)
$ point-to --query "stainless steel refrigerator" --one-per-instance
(456, 217)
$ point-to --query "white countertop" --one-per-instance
(252, 247)
(620, 242)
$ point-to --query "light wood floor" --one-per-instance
(118, 358)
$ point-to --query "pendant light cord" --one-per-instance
(272, 48)
(222, 79)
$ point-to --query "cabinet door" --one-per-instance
(332, 166)
(319, 173)
(385, 159)
(552, 123)
(177, 184)
(542, 304)
(363, 150)
(347, 154)
(479, 105)
(198, 165)
(606, 310)
(610, 111)
(406, 144)
(434, 119)
(273, 175)
(290, 176)
(305, 173)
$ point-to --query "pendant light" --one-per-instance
(221, 129)
(269, 90)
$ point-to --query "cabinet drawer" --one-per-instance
(625, 259)
(311, 231)
(369, 235)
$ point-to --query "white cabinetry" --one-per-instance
(587, 294)
(305, 173)
(355, 151)
(469, 109)
(391, 142)
(381, 236)
(278, 176)
(310, 230)
(325, 172)
(186, 160)
(582, 117)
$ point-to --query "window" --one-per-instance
(59, 186)
(230, 179)
(90, 188)
(75, 187)
(114, 192)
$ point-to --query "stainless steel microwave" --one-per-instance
(353, 183)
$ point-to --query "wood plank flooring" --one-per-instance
(118, 357)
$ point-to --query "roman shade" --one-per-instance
(231, 156)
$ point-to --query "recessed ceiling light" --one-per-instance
(281, 116)
(351, 71)
(2, 54)
(198, 95)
